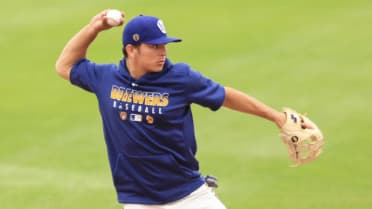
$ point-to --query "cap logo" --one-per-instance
(161, 26)
(136, 37)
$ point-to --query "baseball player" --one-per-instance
(144, 102)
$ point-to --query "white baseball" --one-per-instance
(114, 17)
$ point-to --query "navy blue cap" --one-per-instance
(146, 29)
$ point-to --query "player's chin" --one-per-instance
(158, 67)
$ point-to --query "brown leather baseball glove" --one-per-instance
(302, 137)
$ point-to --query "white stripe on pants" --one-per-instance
(202, 198)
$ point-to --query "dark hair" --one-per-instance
(125, 52)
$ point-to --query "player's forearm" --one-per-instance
(241, 102)
(75, 50)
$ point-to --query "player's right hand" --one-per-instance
(99, 22)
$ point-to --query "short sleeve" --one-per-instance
(85, 74)
(204, 91)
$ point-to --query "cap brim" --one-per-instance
(163, 40)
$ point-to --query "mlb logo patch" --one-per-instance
(136, 117)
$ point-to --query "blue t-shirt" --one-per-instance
(148, 127)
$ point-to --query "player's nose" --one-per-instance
(162, 50)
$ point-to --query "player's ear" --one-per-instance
(130, 49)
(127, 49)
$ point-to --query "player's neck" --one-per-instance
(135, 70)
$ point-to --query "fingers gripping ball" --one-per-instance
(302, 137)
(114, 17)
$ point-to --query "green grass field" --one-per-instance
(314, 56)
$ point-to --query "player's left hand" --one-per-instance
(302, 137)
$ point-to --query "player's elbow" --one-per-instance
(63, 70)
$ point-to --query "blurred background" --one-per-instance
(313, 56)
